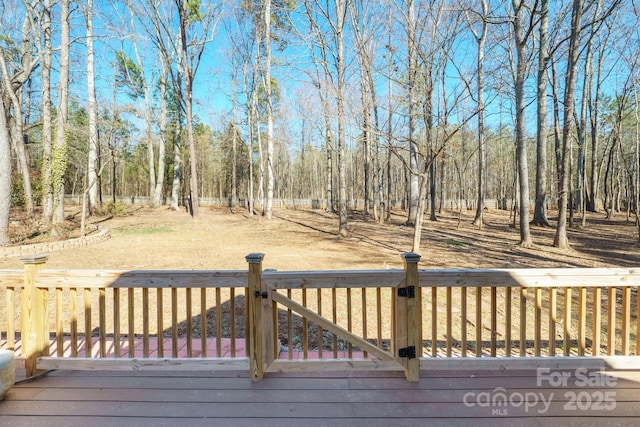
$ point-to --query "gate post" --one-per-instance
(259, 329)
(34, 332)
(408, 319)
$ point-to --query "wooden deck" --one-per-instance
(442, 397)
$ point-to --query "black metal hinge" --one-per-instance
(409, 292)
(408, 352)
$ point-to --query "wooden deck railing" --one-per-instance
(273, 320)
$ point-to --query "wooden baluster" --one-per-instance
(567, 321)
(463, 316)
(582, 320)
(449, 321)
(478, 321)
(59, 324)
(494, 321)
(145, 322)
(553, 319)
(102, 314)
(597, 319)
(117, 337)
(537, 345)
(218, 297)
(189, 321)
(320, 334)
(508, 320)
(159, 321)
(88, 333)
(203, 324)
(131, 322)
(232, 320)
(305, 329)
(523, 322)
(626, 320)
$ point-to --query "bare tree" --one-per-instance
(540, 209)
(521, 36)
(195, 28)
(142, 83)
(335, 19)
(94, 146)
(5, 177)
(15, 78)
(269, 100)
(338, 29)
(412, 70)
(561, 240)
(242, 45)
(59, 152)
(188, 69)
(481, 38)
(47, 119)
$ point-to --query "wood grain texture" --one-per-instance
(206, 397)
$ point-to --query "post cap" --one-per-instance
(411, 257)
(255, 258)
(35, 259)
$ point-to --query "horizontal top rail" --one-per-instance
(142, 279)
(531, 277)
(518, 277)
(332, 278)
(11, 278)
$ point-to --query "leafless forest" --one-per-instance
(338, 105)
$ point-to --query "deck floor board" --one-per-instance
(228, 398)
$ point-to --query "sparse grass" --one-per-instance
(143, 231)
(459, 243)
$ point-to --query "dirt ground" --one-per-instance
(158, 238)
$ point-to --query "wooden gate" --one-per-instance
(406, 329)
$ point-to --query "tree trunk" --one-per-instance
(342, 161)
(481, 38)
(594, 107)
(59, 153)
(177, 164)
(187, 75)
(5, 176)
(328, 141)
(47, 119)
(17, 139)
(250, 116)
(561, 240)
(234, 139)
(428, 124)
(540, 209)
(162, 146)
(390, 68)
(412, 69)
(270, 176)
(521, 147)
(92, 166)
(13, 88)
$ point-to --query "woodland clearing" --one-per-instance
(220, 238)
